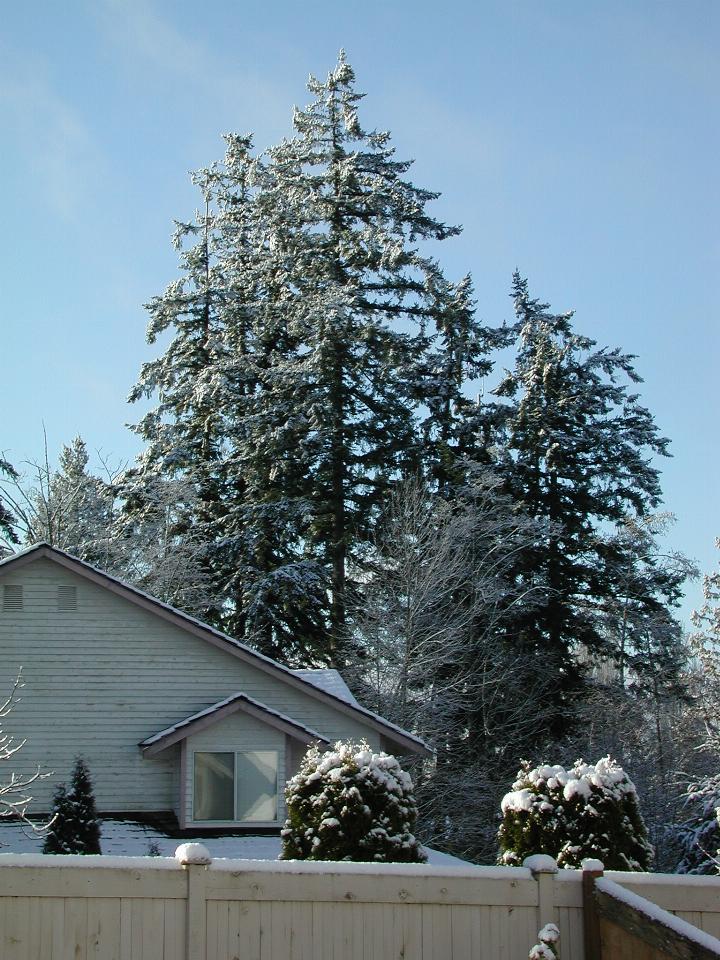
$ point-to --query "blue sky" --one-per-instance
(576, 141)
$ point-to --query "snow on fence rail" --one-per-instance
(191, 908)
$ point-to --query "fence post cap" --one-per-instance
(590, 865)
(541, 863)
(193, 853)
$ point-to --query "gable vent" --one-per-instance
(12, 597)
(67, 597)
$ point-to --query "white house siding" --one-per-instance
(236, 733)
(100, 679)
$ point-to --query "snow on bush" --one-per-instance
(590, 810)
(699, 835)
(349, 803)
(546, 947)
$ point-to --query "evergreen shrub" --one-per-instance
(349, 803)
(75, 826)
(590, 810)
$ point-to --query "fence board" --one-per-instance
(103, 934)
(17, 935)
(379, 888)
(125, 929)
(174, 930)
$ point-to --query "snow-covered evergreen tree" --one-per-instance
(183, 432)
(576, 451)
(698, 834)
(287, 394)
(278, 592)
(455, 358)
(154, 546)
(349, 803)
(75, 827)
(589, 810)
(8, 535)
(364, 294)
(67, 506)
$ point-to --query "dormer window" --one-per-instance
(12, 597)
(239, 787)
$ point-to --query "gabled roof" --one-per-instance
(224, 708)
(392, 733)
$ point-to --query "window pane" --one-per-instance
(257, 773)
(213, 797)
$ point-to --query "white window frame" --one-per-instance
(213, 824)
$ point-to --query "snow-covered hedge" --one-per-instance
(590, 810)
(349, 803)
(698, 837)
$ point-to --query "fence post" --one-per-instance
(195, 859)
(543, 869)
(592, 869)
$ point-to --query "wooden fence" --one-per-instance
(622, 925)
(109, 908)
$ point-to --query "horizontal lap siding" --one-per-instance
(101, 679)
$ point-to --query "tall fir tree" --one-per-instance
(578, 448)
(289, 386)
(279, 594)
(7, 518)
(183, 431)
(364, 297)
(456, 356)
(222, 423)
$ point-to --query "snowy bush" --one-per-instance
(547, 946)
(75, 827)
(350, 804)
(699, 836)
(590, 810)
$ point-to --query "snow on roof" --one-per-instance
(273, 665)
(330, 681)
(123, 841)
(236, 698)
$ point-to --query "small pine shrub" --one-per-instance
(153, 849)
(590, 810)
(75, 827)
(351, 804)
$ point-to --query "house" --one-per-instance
(173, 717)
